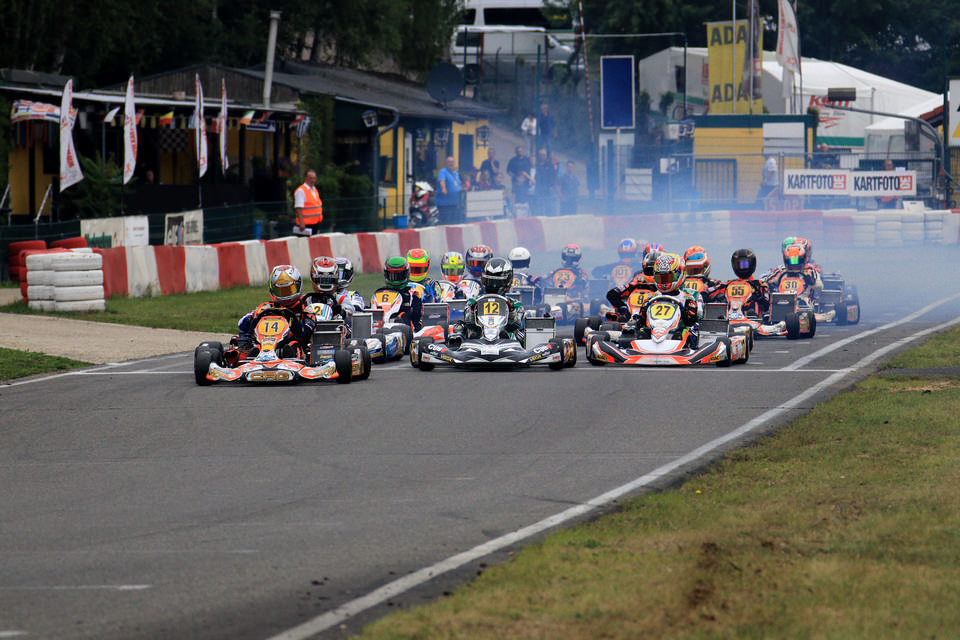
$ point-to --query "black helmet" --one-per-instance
(497, 276)
(744, 262)
(650, 262)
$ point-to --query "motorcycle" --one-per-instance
(423, 211)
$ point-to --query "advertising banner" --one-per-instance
(183, 228)
(841, 182)
(728, 55)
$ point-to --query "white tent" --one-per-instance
(657, 74)
(887, 136)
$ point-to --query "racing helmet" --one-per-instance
(285, 285)
(649, 262)
(668, 273)
(497, 276)
(477, 257)
(696, 261)
(325, 274)
(451, 264)
(344, 272)
(794, 258)
(744, 262)
(571, 255)
(789, 240)
(653, 246)
(628, 249)
(807, 248)
(519, 257)
(419, 261)
(396, 272)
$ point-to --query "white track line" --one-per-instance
(393, 589)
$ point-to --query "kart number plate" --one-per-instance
(621, 274)
(663, 311)
(271, 327)
(564, 278)
(386, 297)
(738, 290)
(790, 285)
(493, 307)
(638, 297)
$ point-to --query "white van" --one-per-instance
(474, 46)
(514, 13)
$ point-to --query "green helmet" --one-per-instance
(396, 272)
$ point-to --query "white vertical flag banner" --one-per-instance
(222, 127)
(129, 134)
(70, 172)
(788, 45)
(201, 130)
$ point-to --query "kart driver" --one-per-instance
(642, 281)
(350, 300)
(744, 263)
(325, 276)
(476, 259)
(285, 286)
(669, 276)
(396, 275)
(497, 278)
(631, 261)
(796, 264)
(569, 275)
(697, 267)
(451, 266)
(420, 282)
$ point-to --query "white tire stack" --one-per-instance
(66, 281)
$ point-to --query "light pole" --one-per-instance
(370, 121)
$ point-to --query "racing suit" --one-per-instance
(458, 293)
(411, 309)
(424, 289)
(470, 329)
(606, 271)
(691, 305)
(301, 326)
(576, 288)
(708, 290)
(812, 284)
(323, 297)
(758, 304)
(350, 301)
(618, 296)
(523, 279)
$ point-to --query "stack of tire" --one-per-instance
(65, 280)
(15, 260)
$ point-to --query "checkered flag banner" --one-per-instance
(173, 140)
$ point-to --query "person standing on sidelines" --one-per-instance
(448, 196)
(546, 127)
(308, 205)
(529, 130)
(569, 190)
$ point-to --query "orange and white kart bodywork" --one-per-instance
(265, 364)
(662, 347)
(789, 316)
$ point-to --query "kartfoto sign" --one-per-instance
(841, 182)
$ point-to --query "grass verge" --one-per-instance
(844, 524)
(206, 311)
(20, 364)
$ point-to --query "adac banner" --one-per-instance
(728, 54)
(841, 182)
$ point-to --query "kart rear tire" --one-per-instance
(793, 326)
(594, 322)
(556, 366)
(366, 362)
(726, 362)
(841, 311)
(579, 328)
(407, 339)
(573, 358)
(421, 347)
(344, 363)
(813, 326)
(383, 347)
(203, 356)
(854, 303)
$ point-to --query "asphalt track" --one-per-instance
(139, 505)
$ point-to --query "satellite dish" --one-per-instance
(444, 82)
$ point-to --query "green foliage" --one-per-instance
(96, 196)
(20, 364)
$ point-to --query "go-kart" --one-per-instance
(448, 292)
(789, 315)
(840, 298)
(565, 302)
(495, 348)
(273, 356)
(661, 341)
(391, 340)
(611, 321)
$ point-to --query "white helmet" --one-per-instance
(520, 257)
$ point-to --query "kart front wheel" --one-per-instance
(383, 347)
(344, 364)
(556, 366)
(579, 328)
(203, 357)
(793, 326)
(421, 346)
(366, 362)
(726, 360)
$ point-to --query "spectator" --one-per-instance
(521, 176)
(492, 166)
(770, 180)
(569, 190)
(889, 202)
(448, 195)
(546, 127)
(529, 130)
(308, 205)
(545, 187)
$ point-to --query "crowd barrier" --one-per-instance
(161, 270)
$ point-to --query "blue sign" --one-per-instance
(617, 92)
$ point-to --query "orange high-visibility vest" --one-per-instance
(312, 204)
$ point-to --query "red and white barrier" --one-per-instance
(161, 270)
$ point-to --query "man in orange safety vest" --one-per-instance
(308, 205)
